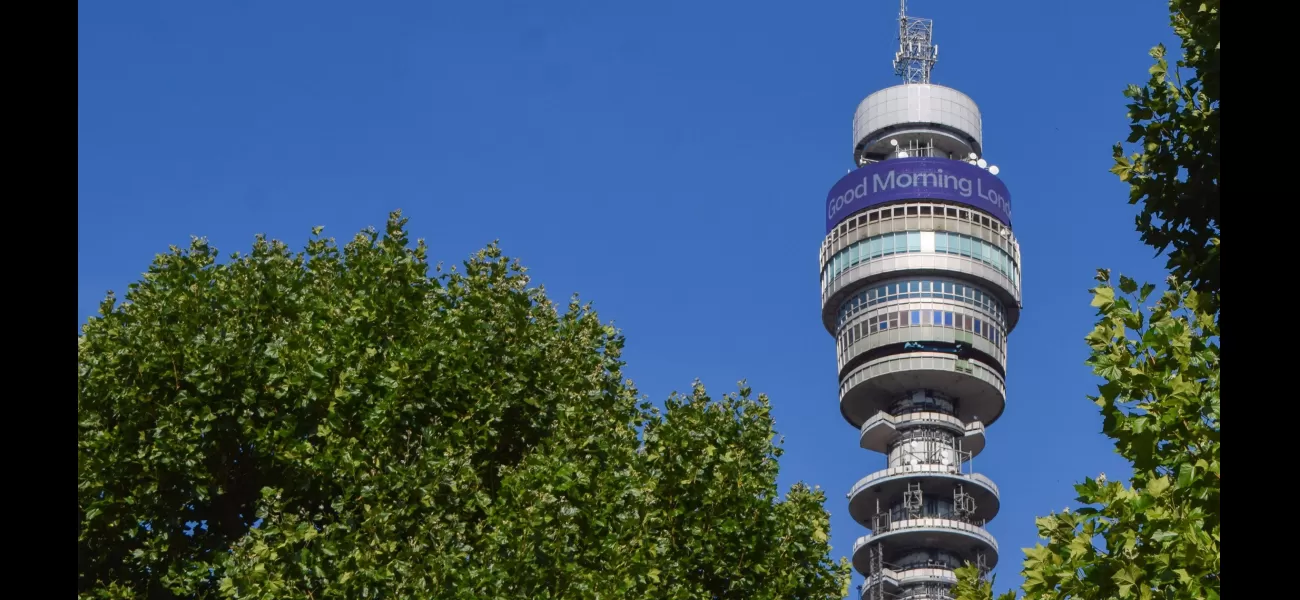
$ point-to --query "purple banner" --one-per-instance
(918, 179)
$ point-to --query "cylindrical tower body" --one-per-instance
(920, 277)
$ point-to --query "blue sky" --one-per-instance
(666, 160)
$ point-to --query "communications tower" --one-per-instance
(920, 275)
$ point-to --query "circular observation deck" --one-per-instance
(981, 340)
(882, 429)
(936, 481)
(922, 241)
(874, 386)
(928, 533)
(896, 579)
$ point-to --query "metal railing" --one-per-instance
(883, 522)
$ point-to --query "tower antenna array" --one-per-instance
(917, 53)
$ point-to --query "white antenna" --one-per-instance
(916, 54)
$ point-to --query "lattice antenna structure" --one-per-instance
(917, 54)
(963, 504)
(912, 500)
(876, 574)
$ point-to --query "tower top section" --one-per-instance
(917, 53)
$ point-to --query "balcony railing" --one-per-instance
(884, 522)
(874, 478)
(931, 523)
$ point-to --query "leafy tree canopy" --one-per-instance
(1159, 536)
(338, 423)
(1174, 174)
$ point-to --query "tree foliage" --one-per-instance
(1174, 174)
(340, 423)
(1159, 536)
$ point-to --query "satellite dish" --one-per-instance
(893, 142)
(993, 169)
(902, 154)
(982, 163)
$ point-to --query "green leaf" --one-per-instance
(1164, 536)
(1157, 486)
(1185, 474)
(1125, 578)
(1103, 296)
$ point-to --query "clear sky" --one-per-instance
(667, 160)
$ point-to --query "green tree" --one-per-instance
(340, 423)
(1159, 536)
(1174, 175)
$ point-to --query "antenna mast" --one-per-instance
(916, 52)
